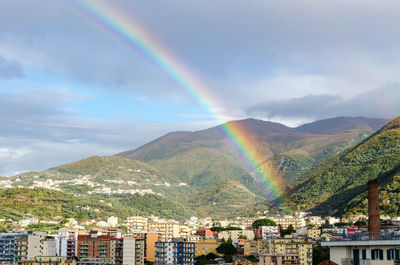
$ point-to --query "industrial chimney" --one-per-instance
(374, 226)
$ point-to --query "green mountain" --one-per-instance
(17, 203)
(185, 173)
(201, 157)
(123, 186)
(339, 183)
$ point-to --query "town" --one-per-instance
(299, 239)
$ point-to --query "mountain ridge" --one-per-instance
(339, 183)
(200, 170)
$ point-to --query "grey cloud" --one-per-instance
(379, 103)
(221, 40)
(10, 70)
(38, 132)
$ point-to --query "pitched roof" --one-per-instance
(327, 262)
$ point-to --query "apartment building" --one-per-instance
(309, 232)
(288, 245)
(26, 245)
(254, 247)
(112, 221)
(236, 234)
(116, 251)
(288, 220)
(136, 224)
(269, 232)
(205, 246)
(184, 231)
(133, 251)
(48, 260)
(206, 233)
(167, 229)
(365, 250)
(8, 246)
(279, 259)
(175, 252)
(66, 244)
(150, 239)
(94, 246)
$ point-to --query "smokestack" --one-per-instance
(374, 225)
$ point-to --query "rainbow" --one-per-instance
(130, 32)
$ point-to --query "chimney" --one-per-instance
(374, 226)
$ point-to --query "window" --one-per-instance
(377, 254)
(392, 254)
(364, 254)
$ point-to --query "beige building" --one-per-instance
(205, 246)
(137, 224)
(279, 259)
(184, 231)
(313, 233)
(364, 251)
(287, 220)
(236, 234)
(299, 246)
(309, 232)
(167, 229)
(254, 247)
(39, 244)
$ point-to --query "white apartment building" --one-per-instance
(175, 252)
(133, 251)
(167, 229)
(288, 220)
(137, 224)
(364, 251)
(66, 244)
(112, 221)
(269, 232)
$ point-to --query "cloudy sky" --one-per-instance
(72, 87)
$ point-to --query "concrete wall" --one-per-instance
(129, 251)
(340, 252)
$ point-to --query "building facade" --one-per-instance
(175, 252)
(167, 229)
(364, 251)
(205, 246)
(299, 246)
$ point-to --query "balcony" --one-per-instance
(348, 261)
(366, 237)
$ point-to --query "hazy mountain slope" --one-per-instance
(339, 183)
(341, 124)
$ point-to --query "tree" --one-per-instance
(124, 228)
(263, 222)
(64, 221)
(287, 231)
(211, 256)
(227, 249)
(325, 225)
(217, 228)
(290, 229)
(360, 223)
